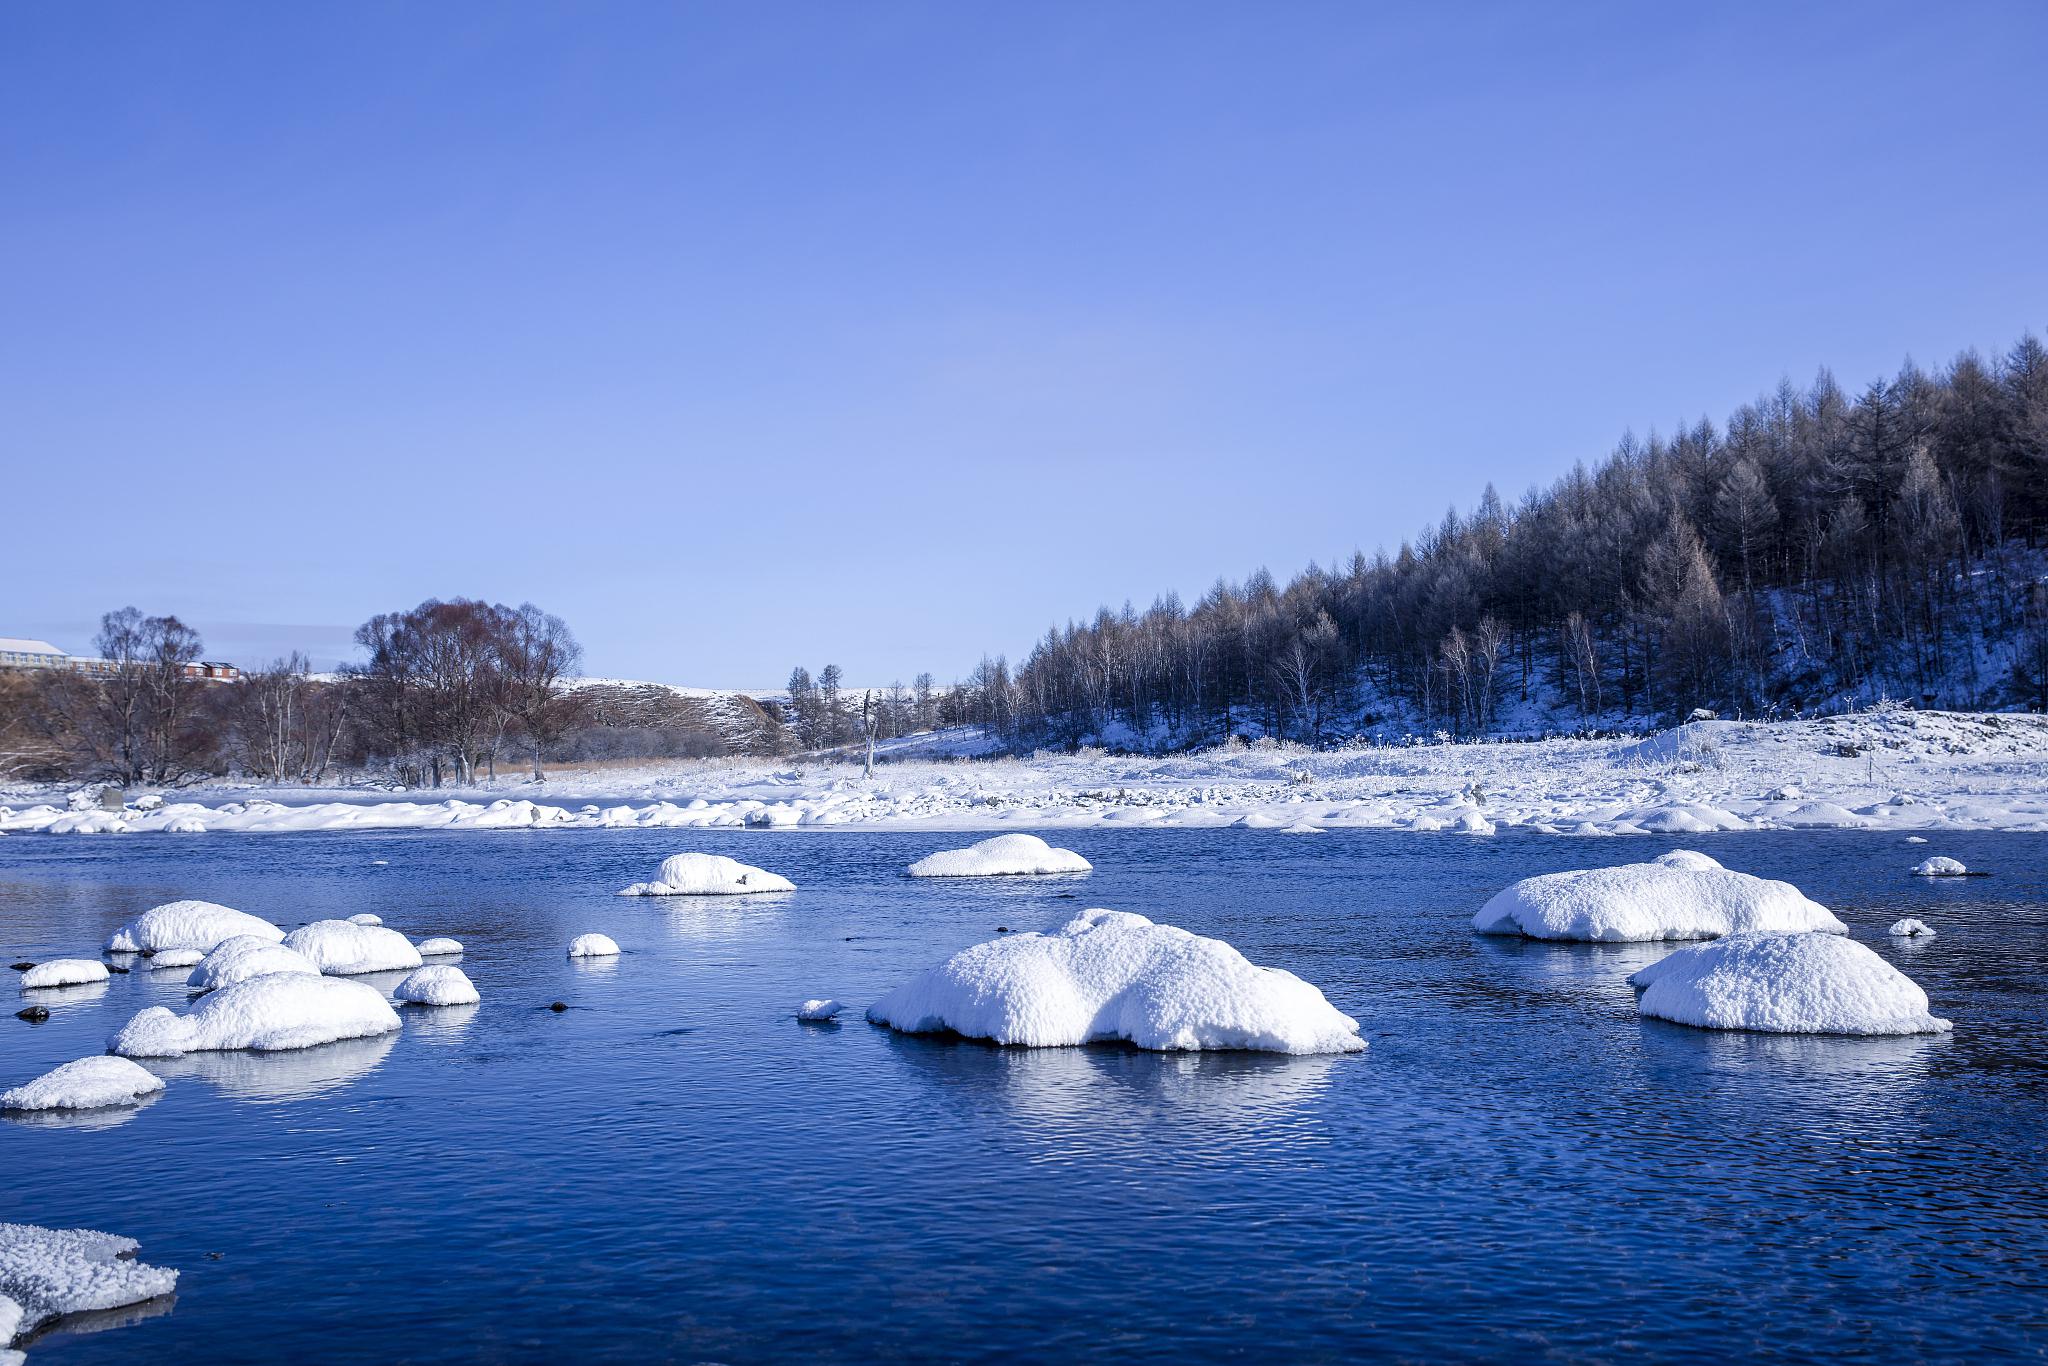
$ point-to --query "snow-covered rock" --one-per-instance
(593, 946)
(188, 925)
(175, 958)
(48, 1273)
(1785, 984)
(88, 1084)
(1940, 866)
(63, 972)
(822, 1008)
(1002, 856)
(342, 948)
(1682, 895)
(366, 919)
(439, 947)
(1910, 928)
(708, 875)
(437, 984)
(243, 957)
(1112, 975)
(269, 1013)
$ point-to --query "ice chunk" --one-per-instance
(1301, 828)
(88, 1084)
(439, 948)
(708, 875)
(277, 1011)
(188, 925)
(245, 956)
(1785, 984)
(49, 1272)
(366, 919)
(1003, 856)
(1111, 975)
(438, 984)
(819, 1009)
(1683, 895)
(342, 948)
(63, 972)
(1940, 866)
(593, 946)
(1910, 928)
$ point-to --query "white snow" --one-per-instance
(342, 948)
(438, 984)
(1910, 928)
(188, 925)
(820, 1008)
(63, 972)
(593, 946)
(1785, 984)
(1112, 975)
(1940, 866)
(439, 947)
(176, 958)
(243, 957)
(269, 1013)
(87, 1084)
(50, 1272)
(366, 919)
(1682, 895)
(708, 875)
(1002, 856)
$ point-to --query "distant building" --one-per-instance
(213, 670)
(17, 653)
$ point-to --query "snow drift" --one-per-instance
(1683, 895)
(708, 875)
(188, 925)
(342, 948)
(1003, 856)
(438, 984)
(266, 1014)
(63, 972)
(1112, 975)
(50, 1272)
(243, 957)
(1785, 984)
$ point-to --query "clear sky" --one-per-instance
(890, 334)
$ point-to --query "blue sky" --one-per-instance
(889, 334)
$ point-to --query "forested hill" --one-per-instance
(1821, 546)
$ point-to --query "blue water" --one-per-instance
(674, 1169)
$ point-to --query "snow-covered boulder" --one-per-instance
(1003, 856)
(342, 948)
(439, 948)
(188, 925)
(88, 1084)
(1910, 928)
(49, 1272)
(1682, 895)
(593, 946)
(1940, 866)
(1112, 975)
(175, 958)
(437, 984)
(708, 875)
(822, 1008)
(63, 972)
(1785, 984)
(266, 1014)
(366, 919)
(243, 957)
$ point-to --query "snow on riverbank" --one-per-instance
(1908, 772)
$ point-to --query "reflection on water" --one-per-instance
(62, 998)
(106, 1117)
(52, 1334)
(268, 1078)
(438, 1024)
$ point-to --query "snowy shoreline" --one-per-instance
(1908, 772)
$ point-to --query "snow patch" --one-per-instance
(1785, 984)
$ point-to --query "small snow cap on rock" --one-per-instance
(46, 1273)
(1002, 856)
(1112, 975)
(176, 958)
(439, 948)
(95, 1083)
(1785, 984)
(823, 1008)
(342, 948)
(1940, 866)
(1682, 895)
(593, 946)
(438, 984)
(63, 972)
(188, 925)
(366, 919)
(243, 957)
(708, 875)
(267, 1014)
(1910, 928)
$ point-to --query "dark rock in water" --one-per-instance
(1002, 929)
(34, 1014)
(112, 968)
(559, 1006)
(21, 967)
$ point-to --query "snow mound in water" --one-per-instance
(823, 1008)
(440, 984)
(1112, 975)
(88, 1084)
(267, 1014)
(50, 1272)
(1785, 984)
(366, 919)
(439, 948)
(188, 925)
(593, 946)
(175, 958)
(708, 875)
(1683, 895)
(1910, 928)
(1003, 856)
(1940, 866)
(342, 948)
(63, 972)
(243, 957)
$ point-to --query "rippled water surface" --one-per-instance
(675, 1169)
